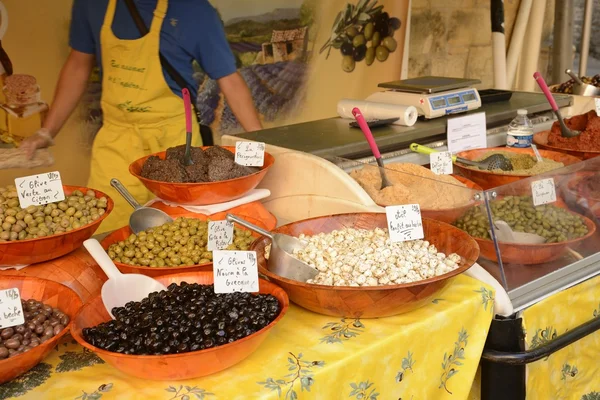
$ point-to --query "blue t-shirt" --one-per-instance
(192, 30)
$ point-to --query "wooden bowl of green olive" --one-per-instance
(562, 229)
(171, 248)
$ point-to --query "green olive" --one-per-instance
(390, 43)
(358, 40)
(348, 63)
(376, 39)
(352, 32)
(368, 31)
(381, 53)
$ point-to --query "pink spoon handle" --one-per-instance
(366, 131)
(187, 103)
(542, 83)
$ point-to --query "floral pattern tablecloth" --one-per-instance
(430, 353)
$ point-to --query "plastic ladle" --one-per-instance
(564, 130)
(504, 233)
(281, 262)
(120, 288)
(187, 104)
(364, 127)
(143, 217)
(495, 161)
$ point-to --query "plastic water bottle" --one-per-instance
(520, 131)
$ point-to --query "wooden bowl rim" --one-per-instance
(466, 153)
(588, 222)
(268, 162)
(537, 140)
(461, 268)
(105, 245)
(272, 287)
(461, 179)
(109, 207)
(52, 342)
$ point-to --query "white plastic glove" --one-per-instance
(40, 140)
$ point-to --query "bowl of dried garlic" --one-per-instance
(362, 273)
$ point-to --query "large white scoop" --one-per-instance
(120, 288)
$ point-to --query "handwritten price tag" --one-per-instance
(250, 154)
(597, 101)
(39, 190)
(11, 310)
(538, 156)
(543, 191)
(220, 235)
(404, 222)
(441, 163)
(235, 271)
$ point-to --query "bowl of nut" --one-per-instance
(41, 233)
(48, 308)
(185, 332)
(213, 178)
(361, 273)
(179, 246)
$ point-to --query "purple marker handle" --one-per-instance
(542, 83)
(187, 103)
(366, 131)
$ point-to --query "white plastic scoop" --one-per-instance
(120, 288)
(504, 233)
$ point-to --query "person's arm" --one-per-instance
(240, 100)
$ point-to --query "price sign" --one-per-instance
(543, 191)
(441, 163)
(250, 154)
(39, 190)
(11, 310)
(404, 222)
(220, 235)
(235, 271)
(538, 156)
(466, 133)
(597, 101)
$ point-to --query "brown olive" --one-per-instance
(12, 344)
(17, 336)
(49, 331)
(7, 333)
(20, 329)
(3, 352)
(39, 329)
(45, 338)
(64, 320)
(57, 329)
(54, 321)
(16, 353)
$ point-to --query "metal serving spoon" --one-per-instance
(581, 88)
(566, 132)
(495, 161)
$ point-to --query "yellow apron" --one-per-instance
(141, 113)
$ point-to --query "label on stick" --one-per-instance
(11, 309)
(220, 235)
(441, 163)
(250, 154)
(404, 222)
(39, 190)
(543, 191)
(235, 271)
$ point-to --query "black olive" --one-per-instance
(394, 23)
(347, 49)
(359, 55)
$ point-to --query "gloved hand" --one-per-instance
(40, 140)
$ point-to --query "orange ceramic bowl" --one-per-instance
(201, 194)
(541, 141)
(51, 293)
(488, 180)
(124, 232)
(32, 251)
(369, 301)
(177, 366)
(532, 254)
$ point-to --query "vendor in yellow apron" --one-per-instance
(142, 115)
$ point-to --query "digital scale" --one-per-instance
(432, 96)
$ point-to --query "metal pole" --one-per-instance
(585, 36)
(562, 49)
(498, 44)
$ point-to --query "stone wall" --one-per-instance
(453, 38)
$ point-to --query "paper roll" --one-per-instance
(372, 110)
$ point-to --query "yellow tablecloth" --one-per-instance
(573, 372)
(431, 353)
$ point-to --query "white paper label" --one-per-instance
(235, 271)
(220, 235)
(466, 133)
(537, 153)
(404, 222)
(250, 154)
(543, 191)
(597, 101)
(441, 163)
(11, 310)
(39, 190)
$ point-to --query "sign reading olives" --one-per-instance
(404, 222)
(543, 191)
(220, 235)
(11, 310)
(250, 154)
(39, 190)
(235, 271)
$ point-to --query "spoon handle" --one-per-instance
(187, 103)
(114, 182)
(364, 127)
(542, 84)
(97, 252)
(246, 224)
(418, 148)
(574, 76)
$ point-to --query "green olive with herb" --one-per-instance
(348, 63)
(382, 53)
